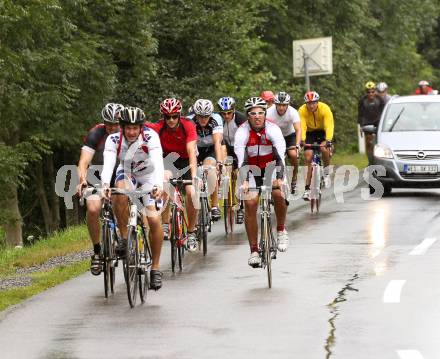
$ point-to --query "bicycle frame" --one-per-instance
(228, 185)
(317, 178)
(138, 258)
(267, 244)
(178, 223)
(204, 220)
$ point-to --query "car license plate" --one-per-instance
(420, 168)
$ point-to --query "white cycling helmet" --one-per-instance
(282, 98)
(203, 107)
(254, 102)
(381, 86)
(132, 116)
(423, 83)
(111, 112)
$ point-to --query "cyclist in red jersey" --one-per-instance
(423, 88)
(178, 138)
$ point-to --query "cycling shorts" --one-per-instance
(180, 169)
(231, 152)
(290, 140)
(315, 137)
(205, 152)
(143, 182)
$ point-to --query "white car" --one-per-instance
(408, 142)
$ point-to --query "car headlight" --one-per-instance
(382, 151)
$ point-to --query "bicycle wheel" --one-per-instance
(206, 223)
(113, 260)
(143, 271)
(229, 209)
(131, 266)
(315, 188)
(267, 252)
(182, 235)
(174, 237)
(105, 257)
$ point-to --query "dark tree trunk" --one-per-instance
(13, 226)
(42, 197)
(54, 199)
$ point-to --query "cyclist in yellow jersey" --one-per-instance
(317, 126)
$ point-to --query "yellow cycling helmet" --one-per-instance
(370, 85)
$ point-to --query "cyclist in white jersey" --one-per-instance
(287, 118)
(141, 166)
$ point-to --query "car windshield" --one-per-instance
(412, 116)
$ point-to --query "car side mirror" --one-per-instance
(369, 129)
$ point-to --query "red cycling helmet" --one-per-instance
(267, 95)
(311, 96)
(170, 106)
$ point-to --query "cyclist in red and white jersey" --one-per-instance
(258, 144)
(141, 166)
(288, 120)
(92, 153)
(178, 136)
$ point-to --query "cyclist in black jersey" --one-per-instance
(232, 120)
(209, 127)
(92, 153)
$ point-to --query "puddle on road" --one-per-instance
(334, 311)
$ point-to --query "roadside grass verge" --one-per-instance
(74, 239)
(40, 282)
(356, 159)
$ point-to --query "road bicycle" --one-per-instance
(228, 185)
(109, 239)
(138, 259)
(204, 218)
(178, 225)
(317, 178)
(267, 243)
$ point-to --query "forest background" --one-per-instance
(62, 60)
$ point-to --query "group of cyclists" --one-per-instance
(146, 155)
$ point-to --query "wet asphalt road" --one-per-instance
(360, 280)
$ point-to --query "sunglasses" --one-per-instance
(171, 117)
(259, 113)
(227, 112)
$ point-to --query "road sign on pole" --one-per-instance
(312, 57)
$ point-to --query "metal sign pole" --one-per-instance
(306, 69)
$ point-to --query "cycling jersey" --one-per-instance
(94, 143)
(175, 140)
(369, 111)
(229, 128)
(204, 135)
(321, 119)
(286, 121)
(141, 160)
(260, 148)
(418, 91)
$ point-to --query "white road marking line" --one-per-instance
(393, 290)
(409, 354)
(423, 247)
